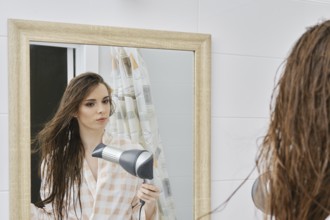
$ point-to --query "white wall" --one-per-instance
(250, 39)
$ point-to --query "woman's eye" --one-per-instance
(90, 104)
(106, 101)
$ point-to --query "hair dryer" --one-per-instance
(260, 191)
(136, 162)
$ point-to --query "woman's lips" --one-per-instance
(102, 119)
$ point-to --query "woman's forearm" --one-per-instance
(150, 210)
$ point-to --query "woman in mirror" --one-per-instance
(296, 149)
(76, 185)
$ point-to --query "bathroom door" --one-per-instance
(48, 80)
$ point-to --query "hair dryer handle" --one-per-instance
(148, 181)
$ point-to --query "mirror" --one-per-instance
(21, 33)
(171, 89)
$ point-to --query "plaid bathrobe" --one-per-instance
(111, 197)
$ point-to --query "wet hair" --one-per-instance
(296, 148)
(61, 149)
(295, 151)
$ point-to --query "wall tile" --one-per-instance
(234, 146)
(4, 204)
(4, 154)
(164, 15)
(3, 76)
(256, 27)
(242, 86)
(240, 206)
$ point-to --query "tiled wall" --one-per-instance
(250, 39)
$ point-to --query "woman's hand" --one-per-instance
(148, 193)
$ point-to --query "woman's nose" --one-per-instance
(100, 108)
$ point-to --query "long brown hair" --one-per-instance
(296, 149)
(60, 146)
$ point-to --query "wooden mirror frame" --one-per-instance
(22, 32)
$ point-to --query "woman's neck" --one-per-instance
(90, 139)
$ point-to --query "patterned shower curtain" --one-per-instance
(135, 116)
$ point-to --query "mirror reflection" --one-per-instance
(167, 85)
(174, 123)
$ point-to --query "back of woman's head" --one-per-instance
(296, 149)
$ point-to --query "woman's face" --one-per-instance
(94, 110)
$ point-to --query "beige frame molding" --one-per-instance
(21, 32)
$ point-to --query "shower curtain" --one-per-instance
(135, 117)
